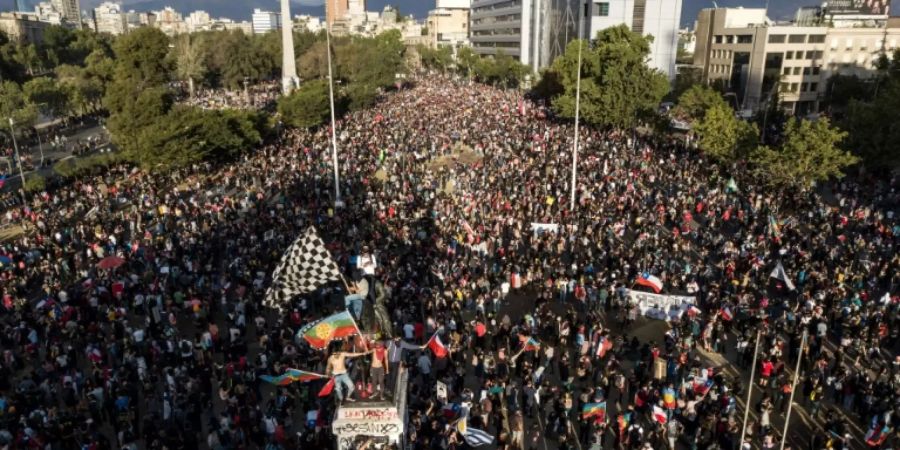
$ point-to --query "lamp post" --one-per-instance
(337, 183)
(577, 111)
(12, 132)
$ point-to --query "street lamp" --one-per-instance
(12, 133)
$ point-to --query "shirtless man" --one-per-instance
(337, 368)
(379, 368)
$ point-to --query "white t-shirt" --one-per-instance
(408, 331)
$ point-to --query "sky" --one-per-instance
(241, 9)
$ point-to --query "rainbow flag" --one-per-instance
(597, 410)
(291, 376)
(335, 326)
(529, 344)
(624, 420)
(668, 395)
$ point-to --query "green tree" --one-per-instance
(47, 95)
(188, 62)
(306, 107)
(501, 70)
(686, 78)
(872, 123)
(83, 91)
(34, 182)
(696, 101)
(723, 136)
(618, 88)
(186, 135)
(13, 104)
(466, 59)
(141, 58)
(810, 153)
(313, 63)
(439, 59)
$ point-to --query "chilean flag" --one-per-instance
(438, 347)
(659, 415)
(726, 313)
(650, 281)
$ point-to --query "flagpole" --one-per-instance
(365, 345)
(787, 419)
(750, 389)
(577, 110)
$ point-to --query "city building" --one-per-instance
(757, 60)
(47, 13)
(23, 27)
(69, 9)
(335, 10)
(170, 22)
(312, 24)
(687, 41)
(448, 23)
(109, 18)
(532, 31)
(265, 21)
(657, 18)
(230, 25)
(198, 21)
(20, 6)
(139, 19)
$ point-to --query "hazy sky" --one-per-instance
(241, 9)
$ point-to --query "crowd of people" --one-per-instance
(131, 314)
(258, 96)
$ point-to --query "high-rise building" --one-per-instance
(335, 10)
(69, 9)
(758, 60)
(109, 18)
(657, 18)
(198, 20)
(20, 6)
(47, 13)
(532, 31)
(265, 21)
(356, 7)
(448, 24)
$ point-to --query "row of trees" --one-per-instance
(619, 91)
(363, 67)
(501, 70)
(809, 151)
(149, 128)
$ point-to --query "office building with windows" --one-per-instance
(69, 9)
(657, 18)
(532, 31)
(756, 60)
(265, 21)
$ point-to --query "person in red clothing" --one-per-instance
(419, 331)
(766, 371)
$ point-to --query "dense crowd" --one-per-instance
(251, 96)
(164, 347)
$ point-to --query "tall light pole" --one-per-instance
(337, 183)
(577, 108)
(12, 132)
(750, 388)
(787, 418)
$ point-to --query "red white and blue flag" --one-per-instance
(650, 281)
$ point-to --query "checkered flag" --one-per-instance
(304, 267)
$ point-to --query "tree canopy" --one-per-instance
(306, 107)
(618, 88)
(810, 153)
(722, 135)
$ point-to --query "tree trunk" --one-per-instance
(191, 86)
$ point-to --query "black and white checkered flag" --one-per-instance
(304, 267)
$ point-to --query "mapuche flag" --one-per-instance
(335, 326)
(292, 376)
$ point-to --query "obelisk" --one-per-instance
(289, 79)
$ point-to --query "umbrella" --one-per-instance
(110, 262)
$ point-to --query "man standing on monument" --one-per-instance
(337, 368)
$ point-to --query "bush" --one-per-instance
(34, 183)
(73, 168)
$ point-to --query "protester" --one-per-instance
(533, 330)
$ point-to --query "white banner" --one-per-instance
(544, 227)
(658, 306)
